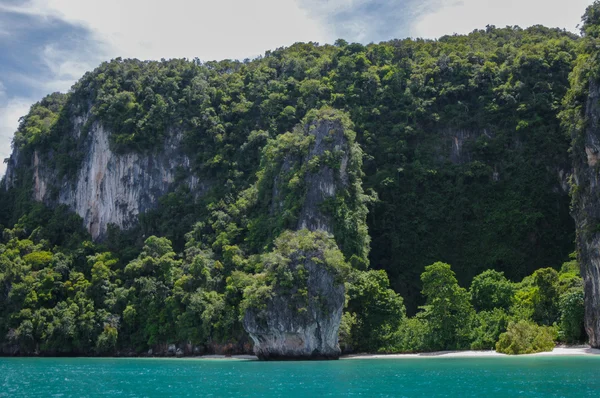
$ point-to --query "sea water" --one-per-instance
(411, 377)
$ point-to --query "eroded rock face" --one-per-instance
(110, 188)
(293, 328)
(302, 321)
(586, 212)
(326, 181)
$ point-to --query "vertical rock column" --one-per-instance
(300, 317)
(586, 210)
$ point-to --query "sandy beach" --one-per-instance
(558, 351)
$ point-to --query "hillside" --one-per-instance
(143, 207)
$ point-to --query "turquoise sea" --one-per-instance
(410, 377)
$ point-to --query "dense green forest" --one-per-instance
(458, 157)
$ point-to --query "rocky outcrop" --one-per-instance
(302, 321)
(109, 188)
(586, 210)
(329, 140)
(284, 331)
(318, 185)
(300, 317)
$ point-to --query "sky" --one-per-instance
(47, 45)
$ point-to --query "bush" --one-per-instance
(489, 326)
(107, 340)
(572, 310)
(410, 336)
(526, 337)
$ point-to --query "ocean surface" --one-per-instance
(410, 377)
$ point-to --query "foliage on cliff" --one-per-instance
(74, 297)
(460, 136)
(283, 270)
(456, 141)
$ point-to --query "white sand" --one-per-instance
(558, 351)
(583, 350)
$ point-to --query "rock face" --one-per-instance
(284, 331)
(325, 182)
(109, 188)
(586, 211)
(286, 328)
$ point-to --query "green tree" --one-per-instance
(447, 308)
(490, 290)
(546, 296)
(377, 310)
(488, 326)
(572, 309)
(152, 276)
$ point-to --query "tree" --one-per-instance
(572, 310)
(152, 276)
(545, 299)
(488, 326)
(377, 310)
(490, 290)
(447, 309)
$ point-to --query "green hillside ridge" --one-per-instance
(457, 156)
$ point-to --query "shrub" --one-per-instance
(489, 326)
(107, 340)
(571, 316)
(526, 337)
(410, 336)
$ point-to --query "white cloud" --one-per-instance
(456, 16)
(208, 29)
(63, 63)
(366, 21)
(10, 112)
(66, 66)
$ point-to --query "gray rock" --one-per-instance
(179, 353)
(287, 329)
(110, 188)
(326, 182)
(171, 349)
(586, 211)
(284, 332)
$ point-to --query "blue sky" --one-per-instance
(46, 45)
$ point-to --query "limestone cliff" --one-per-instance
(300, 316)
(300, 293)
(314, 181)
(586, 210)
(109, 188)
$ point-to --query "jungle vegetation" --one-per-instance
(459, 158)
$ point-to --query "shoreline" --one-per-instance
(557, 351)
